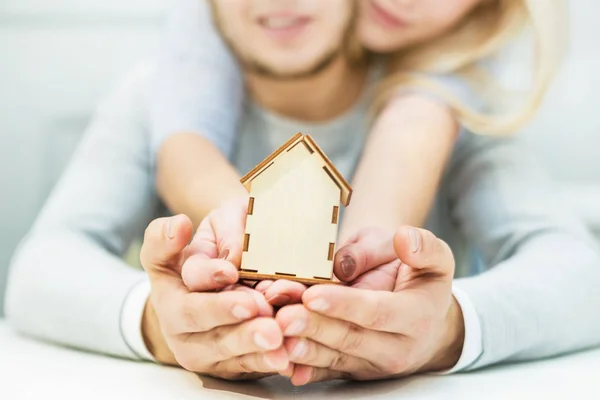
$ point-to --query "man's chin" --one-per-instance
(291, 72)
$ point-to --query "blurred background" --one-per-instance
(59, 57)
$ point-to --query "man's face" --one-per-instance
(284, 38)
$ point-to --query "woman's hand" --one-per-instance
(221, 235)
(364, 334)
(229, 334)
(367, 261)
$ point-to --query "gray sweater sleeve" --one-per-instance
(540, 296)
(197, 86)
(67, 282)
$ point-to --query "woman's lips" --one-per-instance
(284, 27)
(384, 18)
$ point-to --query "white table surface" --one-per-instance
(34, 370)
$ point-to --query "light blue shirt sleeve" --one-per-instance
(68, 282)
(197, 85)
(539, 295)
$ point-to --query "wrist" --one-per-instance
(222, 193)
(450, 350)
(153, 337)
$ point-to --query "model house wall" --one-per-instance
(291, 229)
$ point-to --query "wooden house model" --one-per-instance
(293, 214)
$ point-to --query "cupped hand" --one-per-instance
(368, 332)
(191, 322)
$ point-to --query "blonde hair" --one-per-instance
(482, 34)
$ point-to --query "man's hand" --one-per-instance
(364, 334)
(229, 334)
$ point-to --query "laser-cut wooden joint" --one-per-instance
(246, 241)
(336, 214)
(251, 206)
(284, 274)
(331, 250)
(299, 191)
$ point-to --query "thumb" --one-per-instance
(421, 249)
(372, 248)
(229, 225)
(165, 240)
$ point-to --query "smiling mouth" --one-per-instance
(384, 18)
(284, 27)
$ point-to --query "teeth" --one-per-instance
(280, 22)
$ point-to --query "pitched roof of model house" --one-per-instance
(311, 145)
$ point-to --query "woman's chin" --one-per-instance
(377, 41)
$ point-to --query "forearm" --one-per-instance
(68, 283)
(64, 288)
(539, 297)
(196, 92)
(399, 173)
(541, 302)
(193, 177)
(195, 88)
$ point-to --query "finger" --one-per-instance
(343, 241)
(204, 241)
(283, 292)
(421, 249)
(229, 226)
(269, 362)
(164, 242)
(264, 308)
(201, 274)
(303, 375)
(381, 278)
(249, 283)
(289, 371)
(258, 335)
(308, 352)
(202, 312)
(372, 248)
(379, 311)
(353, 340)
(263, 286)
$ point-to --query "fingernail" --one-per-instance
(415, 240)
(278, 299)
(348, 266)
(300, 349)
(170, 228)
(318, 305)
(221, 278)
(295, 328)
(261, 342)
(240, 312)
(224, 254)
